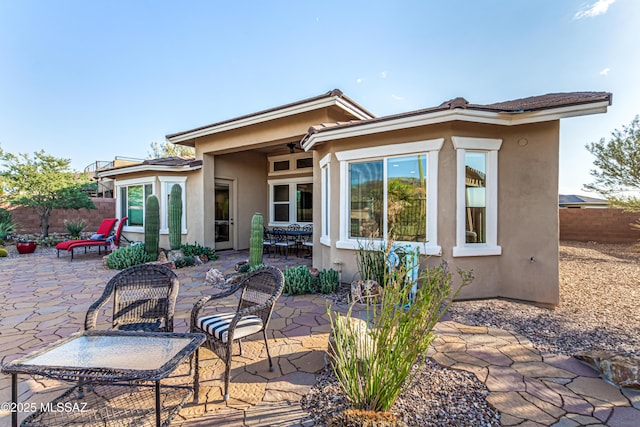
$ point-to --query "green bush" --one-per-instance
(327, 281)
(5, 215)
(7, 227)
(187, 261)
(371, 261)
(128, 256)
(374, 369)
(3, 253)
(75, 227)
(298, 280)
(197, 250)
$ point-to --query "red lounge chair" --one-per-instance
(70, 245)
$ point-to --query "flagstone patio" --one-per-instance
(45, 298)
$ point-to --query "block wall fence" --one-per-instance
(586, 225)
(598, 225)
(27, 220)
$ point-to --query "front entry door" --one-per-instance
(224, 214)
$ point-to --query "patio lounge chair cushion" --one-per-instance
(218, 325)
(97, 236)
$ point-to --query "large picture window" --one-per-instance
(291, 201)
(133, 195)
(390, 193)
(477, 196)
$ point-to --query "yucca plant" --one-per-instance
(75, 228)
(374, 369)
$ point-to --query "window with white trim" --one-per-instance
(390, 192)
(476, 196)
(325, 197)
(132, 196)
(288, 164)
(291, 201)
(166, 184)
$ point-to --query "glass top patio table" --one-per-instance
(109, 356)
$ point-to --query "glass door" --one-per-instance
(224, 214)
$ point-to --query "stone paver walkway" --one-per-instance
(44, 298)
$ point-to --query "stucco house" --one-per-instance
(476, 185)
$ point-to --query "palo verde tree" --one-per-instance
(617, 161)
(42, 182)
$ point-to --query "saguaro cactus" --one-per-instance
(175, 217)
(152, 226)
(256, 241)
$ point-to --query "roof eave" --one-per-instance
(334, 99)
(112, 173)
(442, 116)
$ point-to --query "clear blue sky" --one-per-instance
(91, 80)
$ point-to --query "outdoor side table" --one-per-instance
(105, 361)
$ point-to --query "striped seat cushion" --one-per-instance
(218, 326)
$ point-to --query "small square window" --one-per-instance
(304, 163)
(281, 166)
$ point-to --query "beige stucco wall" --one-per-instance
(527, 209)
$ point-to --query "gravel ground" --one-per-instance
(599, 300)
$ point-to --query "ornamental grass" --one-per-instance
(375, 368)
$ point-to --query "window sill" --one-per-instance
(424, 249)
(325, 241)
(133, 229)
(476, 250)
(166, 231)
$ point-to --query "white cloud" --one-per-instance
(605, 71)
(397, 98)
(598, 8)
(359, 80)
(384, 74)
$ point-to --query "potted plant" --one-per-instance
(25, 246)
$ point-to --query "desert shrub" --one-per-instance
(128, 256)
(186, 261)
(298, 280)
(327, 281)
(7, 227)
(5, 215)
(371, 261)
(197, 250)
(401, 331)
(74, 228)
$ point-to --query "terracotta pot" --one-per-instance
(26, 247)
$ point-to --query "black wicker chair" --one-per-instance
(259, 291)
(144, 299)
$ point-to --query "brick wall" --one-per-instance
(27, 220)
(598, 225)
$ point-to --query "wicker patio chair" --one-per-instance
(144, 299)
(259, 291)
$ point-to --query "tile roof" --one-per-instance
(522, 105)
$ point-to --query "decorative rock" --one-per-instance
(175, 255)
(314, 272)
(215, 278)
(239, 264)
(620, 369)
(197, 261)
(360, 418)
(162, 257)
(352, 326)
(366, 291)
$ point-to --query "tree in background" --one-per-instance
(42, 182)
(167, 149)
(618, 163)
